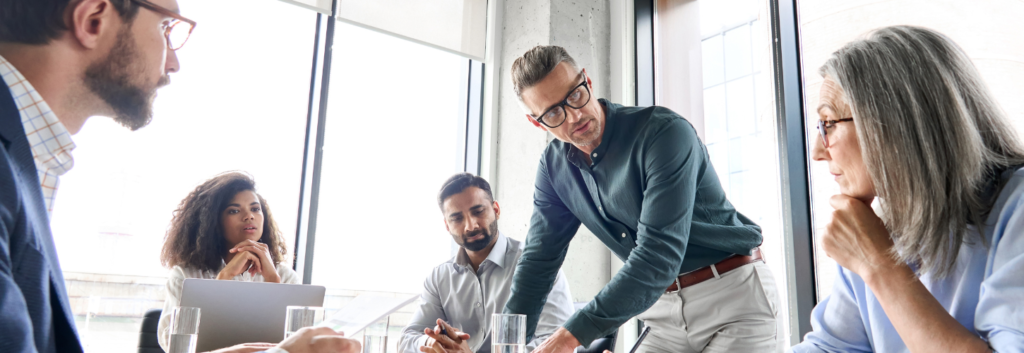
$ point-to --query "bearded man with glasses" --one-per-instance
(641, 180)
(62, 61)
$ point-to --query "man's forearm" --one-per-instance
(529, 293)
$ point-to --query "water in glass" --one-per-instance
(182, 343)
(375, 344)
(508, 348)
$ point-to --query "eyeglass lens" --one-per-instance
(576, 100)
(177, 34)
(823, 133)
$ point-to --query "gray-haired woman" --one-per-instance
(906, 118)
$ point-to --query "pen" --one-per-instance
(640, 339)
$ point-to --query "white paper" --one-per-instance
(363, 311)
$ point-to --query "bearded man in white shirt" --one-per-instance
(465, 291)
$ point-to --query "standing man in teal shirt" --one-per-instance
(641, 180)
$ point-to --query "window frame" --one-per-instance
(470, 128)
(794, 165)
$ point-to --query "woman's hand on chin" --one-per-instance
(857, 239)
(243, 261)
(262, 253)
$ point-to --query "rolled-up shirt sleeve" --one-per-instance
(175, 280)
(999, 317)
(837, 324)
(425, 317)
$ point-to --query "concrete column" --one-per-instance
(583, 28)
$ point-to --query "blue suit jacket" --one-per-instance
(34, 311)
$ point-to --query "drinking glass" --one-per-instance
(184, 329)
(375, 336)
(508, 333)
(297, 317)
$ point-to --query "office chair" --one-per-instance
(148, 340)
(600, 344)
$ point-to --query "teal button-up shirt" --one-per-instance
(650, 195)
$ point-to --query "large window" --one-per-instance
(238, 103)
(713, 66)
(979, 28)
(397, 126)
(394, 134)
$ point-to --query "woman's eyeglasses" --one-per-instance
(824, 125)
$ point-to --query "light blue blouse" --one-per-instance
(985, 292)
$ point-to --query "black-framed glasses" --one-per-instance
(824, 125)
(175, 38)
(577, 98)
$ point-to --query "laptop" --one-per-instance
(233, 312)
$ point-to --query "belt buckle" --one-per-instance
(679, 286)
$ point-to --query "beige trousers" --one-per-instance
(734, 312)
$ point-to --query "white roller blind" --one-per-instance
(457, 26)
(321, 6)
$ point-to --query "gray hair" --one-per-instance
(932, 137)
(536, 64)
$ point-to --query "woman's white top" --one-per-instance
(179, 274)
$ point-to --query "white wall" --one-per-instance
(582, 27)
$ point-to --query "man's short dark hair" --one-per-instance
(40, 21)
(531, 68)
(459, 183)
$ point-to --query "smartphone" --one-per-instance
(647, 329)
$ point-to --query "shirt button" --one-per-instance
(623, 235)
(594, 155)
(478, 304)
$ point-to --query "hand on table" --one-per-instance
(319, 340)
(444, 338)
(857, 239)
(246, 348)
(562, 341)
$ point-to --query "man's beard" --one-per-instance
(590, 137)
(111, 80)
(489, 234)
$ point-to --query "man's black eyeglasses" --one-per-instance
(577, 98)
(175, 39)
(824, 125)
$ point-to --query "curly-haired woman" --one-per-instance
(222, 230)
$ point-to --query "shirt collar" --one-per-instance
(497, 255)
(51, 148)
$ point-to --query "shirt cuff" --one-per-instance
(585, 330)
(276, 350)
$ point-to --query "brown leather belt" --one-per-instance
(705, 273)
